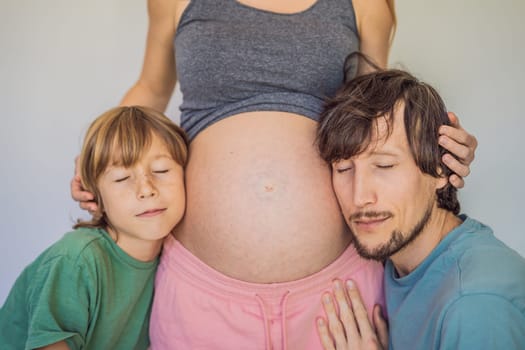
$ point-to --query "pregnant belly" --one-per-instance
(260, 205)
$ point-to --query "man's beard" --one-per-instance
(397, 241)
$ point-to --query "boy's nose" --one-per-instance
(146, 188)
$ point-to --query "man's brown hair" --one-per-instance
(347, 125)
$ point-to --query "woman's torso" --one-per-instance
(260, 204)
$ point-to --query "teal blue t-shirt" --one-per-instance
(84, 290)
(468, 294)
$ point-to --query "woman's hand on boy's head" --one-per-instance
(78, 193)
(350, 328)
(462, 145)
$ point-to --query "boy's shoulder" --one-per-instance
(81, 242)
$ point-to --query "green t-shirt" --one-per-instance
(85, 290)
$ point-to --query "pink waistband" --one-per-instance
(184, 266)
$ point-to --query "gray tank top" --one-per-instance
(232, 58)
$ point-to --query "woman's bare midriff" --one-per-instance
(260, 205)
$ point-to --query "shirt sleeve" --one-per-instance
(483, 321)
(58, 304)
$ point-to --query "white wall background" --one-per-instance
(64, 62)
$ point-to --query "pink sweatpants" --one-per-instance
(195, 307)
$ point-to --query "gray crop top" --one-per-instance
(232, 58)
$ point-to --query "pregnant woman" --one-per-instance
(262, 236)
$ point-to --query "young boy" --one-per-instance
(93, 288)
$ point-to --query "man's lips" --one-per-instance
(150, 213)
(370, 222)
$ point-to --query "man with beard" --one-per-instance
(449, 283)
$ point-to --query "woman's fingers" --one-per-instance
(462, 147)
(78, 193)
(462, 152)
(456, 166)
(457, 140)
(456, 181)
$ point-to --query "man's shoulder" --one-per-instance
(483, 321)
(488, 309)
(487, 265)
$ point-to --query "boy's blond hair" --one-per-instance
(120, 136)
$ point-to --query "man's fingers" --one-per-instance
(381, 327)
(324, 334)
(350, 328)
(360, 313)
(334, 324)
(345, 312)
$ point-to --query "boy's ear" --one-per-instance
(97, 215)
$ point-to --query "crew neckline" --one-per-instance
(125, 257)
(466, 226)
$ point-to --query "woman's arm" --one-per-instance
(375, 23)
(158, 77)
